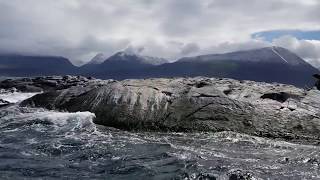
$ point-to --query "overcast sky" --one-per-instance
(79, 29)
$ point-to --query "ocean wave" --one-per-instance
(45, 142)
(17, 117)
(13, 96)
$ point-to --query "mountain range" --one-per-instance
(121, 65)
(24, 65)
(269, 64)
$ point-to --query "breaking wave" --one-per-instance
(13, 96)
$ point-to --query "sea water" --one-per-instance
(41, 144)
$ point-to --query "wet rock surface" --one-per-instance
(46, 83)
(193, 104)
(4, 103)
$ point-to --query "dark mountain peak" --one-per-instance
(122, 65)
(133, 57)
(98, 59)
(271, 54)
(268, 64)
(33, 59)
(32, 65)
(101, 58)
(288, 56)
(32, 56)
(125, 55)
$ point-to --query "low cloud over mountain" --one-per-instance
(171, 29)
(269, 64)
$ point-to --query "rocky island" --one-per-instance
(183, 104)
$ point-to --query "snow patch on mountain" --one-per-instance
(272, 48)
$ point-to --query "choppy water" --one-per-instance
(41, 144)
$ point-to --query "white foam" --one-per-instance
(61, 118)
(15, 97)
(61, 121)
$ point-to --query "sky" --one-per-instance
(79, 29)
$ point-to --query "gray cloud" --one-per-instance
(190, 48)
(228, 47)
(307, 49)
(79, 29)
(134, 50)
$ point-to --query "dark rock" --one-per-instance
(227, 92)
(313, 161)
(47, 83)
(317, 84)
(29, 88)
(206, 176)
(240, 175)
(281, 97)
(4, 103)
(201, 84)
(286, 159)
(254, 108)
(317, 76)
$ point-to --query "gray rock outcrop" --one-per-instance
(194, 104)
(46, 83)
